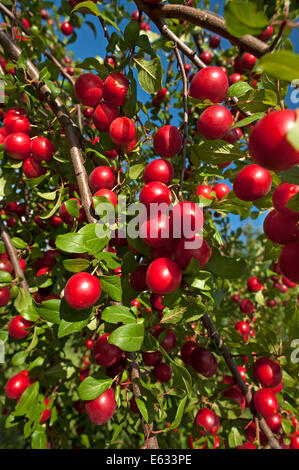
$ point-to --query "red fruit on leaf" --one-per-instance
(187, 350)
(17, 385)
(102, 177)
(184, 255)
(242, 327)
(155, 230)
(158, 170)
(82, 291)
(247, 61)
(122, 131)
(205, 191)
(19, 328)
(252, 183)
(155, 193)
(281, 195)
(265, 402)
(267, 34)
(32, 168)
(186, 220)
(281, 228)
(16, 123)
(168, 142)
(17, 145)
(267, 372)
(247, 307)
(156, 302)
(235, 394)
(108, 194)
(163, 276)
(214, 41)
(234, 78)
(214, 122)
(101, 409)
(46, 414)
(221, 190)
(163, 372)
(89, 89)
(106, 354)
(104, 114)
(67, 217)
(254, 284)
(206, 57)
(208, 420)
(42, 149)
(116, 88)
(4, 296)
(204, 362)
(169, 342)
(5, 265)
(250, 433)
(274, 423)
(210, 83)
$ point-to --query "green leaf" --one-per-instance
(244, 18)
(90, 7)
(67, 328)
(293, 203)
(72, 207)
(283, 65)
(39, 438)
(293, 135)
(291, 175)
(92, 239)
(76, 265)
(239, 89)
(118, 314)
(24, 305)
(49, 310)
(112, 286)
(234, 438)
(5, 277)
(150, 74)
(92, 388)
(257, 101)
(136, 170)
(216, 151)
(179, 415)
(19, 243)
(131, 33)
(128, 337)
(71, 243)
(28, 397)
(248, 120)
(224, 266)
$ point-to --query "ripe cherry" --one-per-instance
(246, 445)
(267, 34)
(106, 354)
(281, 228)
(155, 193)
(231, 137)
(89, 89)
(252, 183)
(208, 420)
(187, 350)
(294, 442)
(214, 41)
(288, 261)
(214, 122)
(102, 177)
(242, 327)
(234, 78)
(82, 291)
(184, 255)
(42, 149)
(116, 88)
(186, 219)
(169, 342)
(250, 433)
(158, 170)
(235, 298)
(163, 372)
(265, 402)
(155, 230)
(281, 195)
(66, 28)
(16, 123)
(4, 296)
(163, 276)
(104, 115)
(122, 131)
(101, 409)
(206, 57)
(5, 265)
(254, 284)
(210, 83)
(156, 302)
(151, 358)
(32, 168)
(268, 143)
(205, 191)
(168, 142)
(17, 385)
(203, 362)
(19, 328)
(247, 307)
(46, 414)
(17, 145)
(221, 190)
(247, 61)
(110, 195)
(274, 423)
(235, 394)
(138, 278)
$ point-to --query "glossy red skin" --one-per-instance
(169, 342)
(102, 177)
(116, 88)
(280, 228)
(106, 354)
(17, 145)
(184, 255)
(138, 279)
(214, 41)
(206, 57)
(89, 344)
(4, 296)
(163, 372)
(43, 272)
(101, 410)
(32, 168)
(16, 123)
(272, 303)
(204, 362)
(268, 145)
(232, 137)
(235, 298)
(5, 265)
(210, 83)
(168, 142)
(267, 34)
(252, 183)
(82, 291)
(294, 442)
(155, 230)
(163, 276)
(254, 284)
(214, 122)
(89, 89)
(11, 222)
(250, 433)
(205, 191)
(69, 219)
(104, 114)
(265, 402)
(234, 78)
(235, 394)
(17, 385)
(156, 302)
(117, 368)
(42, 149)
(208, 420)
(247, 307)
(151, 358)
(155, 192)
(281, 195)
(187, 350)
(221, 190)
(158, 170)
(246, 445)
(267, 372)
(66, 28)
(242, 327)
(46, 414)
(135, 15)
(247, 61)
(274, 423)
(186, 220)
(288, 261)
(110, 195)
(19, 328)
(122, 131)
(161, 94)
(288, 283)
(109, 61)
(87, 112)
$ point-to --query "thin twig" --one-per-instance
(282, 26)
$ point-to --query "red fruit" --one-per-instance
(102, 177)
(282, 194)
(42, 149)
(163, 372)
(17, 385)
(116, 88)
(66, 28)
(117, 368)
(267, 372)
(106, 354)
(69, 219)
(288, 283)
(151, 358)
(138, 279)
(288, 261)
(274, 423)
(254, 284)
(122, 131)
(265, 402)
(156, 302)
(168, 142)
(110, 195)
(163, 276)
(231, 137)
(250, 434)
(242, 327)
(5, 265)
(268, 143)
(104, 115)
(135, 15)
(252, 183)
(155, 230)
(206, 57)
(267, 34)
(248, 61)
(17, 145)
(89, 344)
(33, 169)
(101, 410)
(281, 228)
(82, 291)
(214, 41)
(235, 394)
(247, 307)
(186, 219)
(43, 272)
(235, 298)
(87, 112)
(205, 191)
(214, 122)
(234, 78)
(210, 83)
(46, 413)
(89, 89)
(169, 342)
(184, 255)
(203, 362)
(158, 170)
(221, 190)
(187, 350)
(16, 123)
(272, 303)
(4, 296)
(208, 420)
(246, 445)
(155, 193)
(19, 328)
(294, 441)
